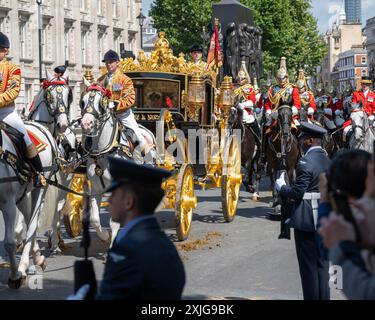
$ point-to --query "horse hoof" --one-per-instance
(43, 265)
(62, 245)
(55, 252)
(19, 247)
(255, 198)
(15, 284)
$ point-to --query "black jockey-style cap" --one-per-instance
(366, 80)
(4, 41)
(309, 130)
(196, 47)
(60, 69)
(124, 171)
(111, 55)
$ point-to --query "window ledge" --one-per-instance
(26, 60)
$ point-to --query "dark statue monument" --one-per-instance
(239, 39)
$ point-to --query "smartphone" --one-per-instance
(340, 205)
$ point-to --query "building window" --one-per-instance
(364, 73)
(2, 24)
(66, 4)
(83, 5)
(129, 10)
(114, 9)
(116, 42)
(84, 47)
(29, 96)
(99, 5)
(364, 60)
(100, 48)
(44, 42)
(66, 43)
(23, 47)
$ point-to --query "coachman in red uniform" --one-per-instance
(364, 97)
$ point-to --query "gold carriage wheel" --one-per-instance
(231, 180)
(73, 208)
(186, 202)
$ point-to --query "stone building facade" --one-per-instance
(74, 32)
(351, 66)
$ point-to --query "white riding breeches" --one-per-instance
(247, 117)
(10, 116)
(128, 121)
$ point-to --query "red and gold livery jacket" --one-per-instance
(368, 102)
(122, 90)
(308, 100)
(246, 92)
(10, 83)
(278, 96)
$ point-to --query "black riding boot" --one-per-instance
(347, 140)
(36, 164)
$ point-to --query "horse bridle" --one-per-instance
(100, 118)
(61, 108)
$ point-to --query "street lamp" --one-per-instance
(40, 26)
(141, 18)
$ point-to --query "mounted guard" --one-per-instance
(308, 105)
(284, 93)
(246, 96)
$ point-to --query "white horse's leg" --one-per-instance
(20, 222)
(9, 213)
(38, 258)
(95, 219)
(31, 218)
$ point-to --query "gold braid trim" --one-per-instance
(276, 99)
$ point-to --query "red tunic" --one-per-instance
(368, 103)
(295, 98)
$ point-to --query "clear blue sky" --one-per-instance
(322, 9)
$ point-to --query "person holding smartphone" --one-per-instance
(339, 235)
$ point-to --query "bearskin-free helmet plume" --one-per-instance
(282, 74)
(301, 82)
(243, 76)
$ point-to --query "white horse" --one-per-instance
(102, 137)
(26, 197)
(363, 133)
(51, 108)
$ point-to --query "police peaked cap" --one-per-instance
(124, 171)
(309, 130)
(111, 55)
(4, 41)
(196, 47)
(60, 69)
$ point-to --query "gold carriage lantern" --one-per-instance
(196, 96)
(226, 98)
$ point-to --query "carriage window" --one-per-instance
(157, 94)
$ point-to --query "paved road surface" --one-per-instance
(243, 259)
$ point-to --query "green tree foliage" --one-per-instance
(289, 29)
(182, 21)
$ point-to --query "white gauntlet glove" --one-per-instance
(294, 110)
(310, 111)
